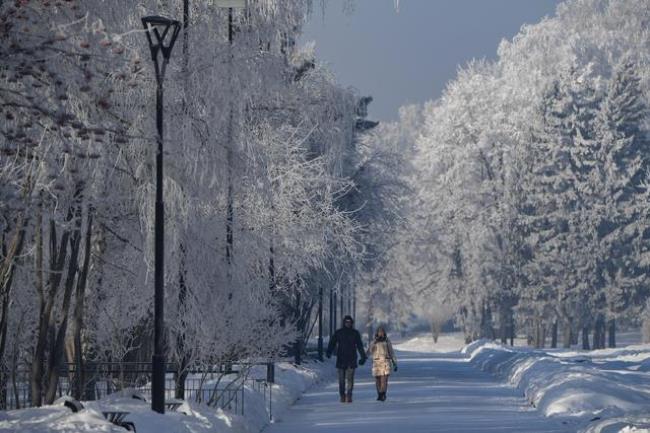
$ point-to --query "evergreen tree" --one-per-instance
(625, 161)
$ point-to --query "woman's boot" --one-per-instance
(378, 384)
(383, 385)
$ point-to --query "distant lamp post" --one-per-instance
(230, 5)
(161, 34)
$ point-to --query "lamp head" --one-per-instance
(161, 34)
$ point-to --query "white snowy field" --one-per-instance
(191, 417)
(600, 391)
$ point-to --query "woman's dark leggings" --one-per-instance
(382, 383)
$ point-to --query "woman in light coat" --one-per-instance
(383, 361)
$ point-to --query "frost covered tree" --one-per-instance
(379, 202)
(517, 165)
(624, 142)
(259, 156)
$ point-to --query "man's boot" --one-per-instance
(348, 397)
(343, 399)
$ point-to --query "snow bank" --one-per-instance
(190, 417)
(290, 383)
(590, 387)
(629, 424)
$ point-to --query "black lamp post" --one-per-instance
(320, 324)
(161, 34)
(331, 312)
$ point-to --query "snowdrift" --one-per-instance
(592, 388)
(190, 417)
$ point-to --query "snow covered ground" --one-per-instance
(446, 386)
(190, 417)
(601, 391)
(435, 389)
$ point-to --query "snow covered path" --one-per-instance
(432, 392)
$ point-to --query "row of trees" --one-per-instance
(529, 206)
(263, 177)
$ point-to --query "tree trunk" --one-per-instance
(554, 335)
(505, 322)
(567, 332)
(80, 294)
(612, 333)
(435, 330)
(567, 336)
(466, 330)
(436, 322)
(57, 344)
(180, 374)
(530, 331)
(4, 387)
(7, 267)
(585, 337)
(8, 261)
(540, 334)
(51, 337)
(599, 333)
(180, 377)
(575, 331)
(487, 330)
(47, 301)
(297, 351)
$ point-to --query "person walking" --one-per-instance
(383, 361)
(347, 342)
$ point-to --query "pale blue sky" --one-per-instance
(407, 57)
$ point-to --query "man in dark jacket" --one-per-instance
(347, 342)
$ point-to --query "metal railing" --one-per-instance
(219, 387)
